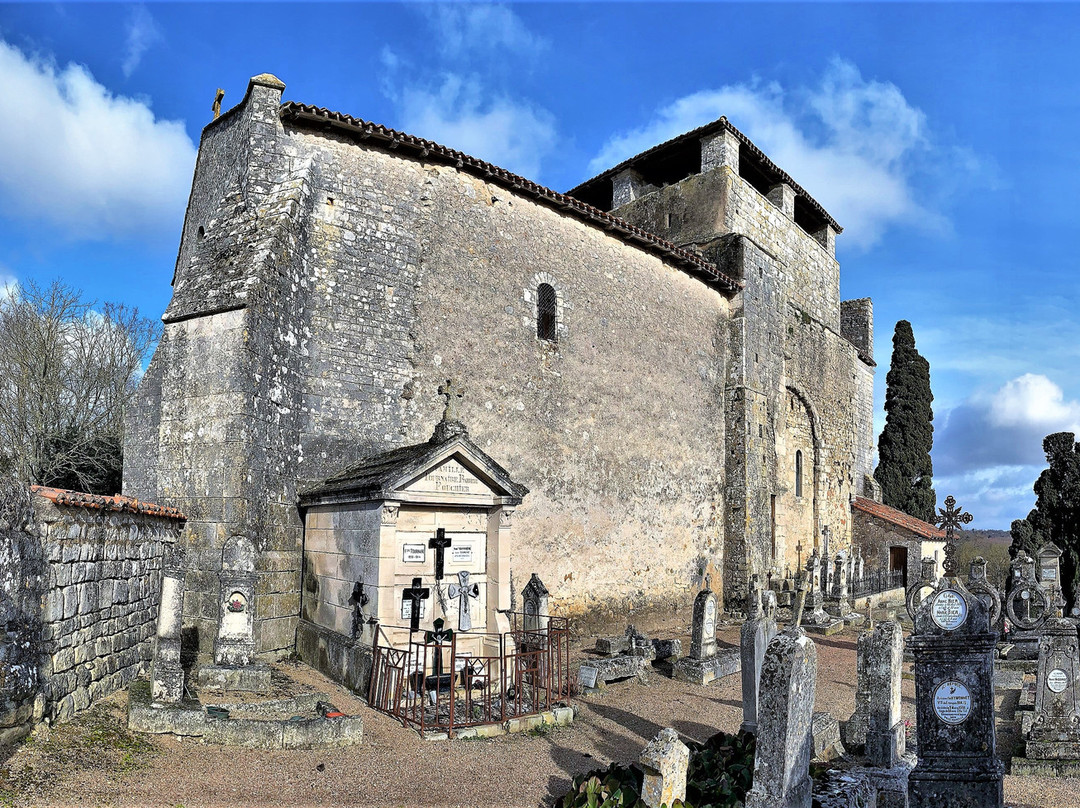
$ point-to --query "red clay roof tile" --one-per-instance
(63, 496)
(897, 517)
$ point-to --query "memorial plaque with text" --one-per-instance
(413, 553)
(461, 554)
(1057, 680)
(952, 702)
(949, 610)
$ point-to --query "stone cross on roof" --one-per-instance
(451, 391)
(218, 97)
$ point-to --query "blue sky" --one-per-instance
(941, 136)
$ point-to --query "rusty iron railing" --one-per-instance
(437, 687)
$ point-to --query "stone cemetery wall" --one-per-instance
(79, 587)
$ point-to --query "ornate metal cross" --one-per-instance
(451, 391)
(417, 594)
(439, 543)
(464, 590)
(951, 518)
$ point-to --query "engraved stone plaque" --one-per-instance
(1049, 574)
(708, 625)
(461, 554)
(1057, 680)
(406, 609)
(949, 610)
(952, 702)
(587, 676)
(413, 553)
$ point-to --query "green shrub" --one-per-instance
(720, 773)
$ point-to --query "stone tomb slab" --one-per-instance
(253, 678)
(703, 671)
(596, 674)
(824, 629)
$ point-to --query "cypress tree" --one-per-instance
(904, 469)
(1056, 515)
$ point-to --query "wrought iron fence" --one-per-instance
(439, 687)
(874, 582)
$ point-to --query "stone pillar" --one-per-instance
(166, 673)
(665, 761)
(721, 149)
(885, 729)
(826, 237)
(783, 196)
(785, 716)
(626, 186)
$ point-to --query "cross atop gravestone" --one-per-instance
(951, 518)
(415, 594)
(463, 590)
(439, 543)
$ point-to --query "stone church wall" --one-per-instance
(79, 590)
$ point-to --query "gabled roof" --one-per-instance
(385, 475)
(321, 119)
(78, 499)
(899, 518)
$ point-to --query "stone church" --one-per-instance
(657, 364)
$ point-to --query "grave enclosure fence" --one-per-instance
(439, 687)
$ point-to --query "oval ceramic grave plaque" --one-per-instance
(952, 702)
(949, 609)
(1057, 680)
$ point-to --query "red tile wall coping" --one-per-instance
(898, 517)
(63, 496)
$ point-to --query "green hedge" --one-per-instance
(721, 771)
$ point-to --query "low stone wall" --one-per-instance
(338, 657)
(79, 591)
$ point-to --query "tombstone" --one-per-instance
(705, 663)
(1055, 730)
(464, 592)
(664, 762)
(885, 728)
(234, 649)
(534, 602)
(953, 647)
(166, 673)
(1027, 607)
(785, 716)
(818, 620)
(753, 640)
(1049, 564)
(853, 731)
(985, 591)
(839, 601)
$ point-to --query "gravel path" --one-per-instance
(394, 767)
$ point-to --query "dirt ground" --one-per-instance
(95, 761)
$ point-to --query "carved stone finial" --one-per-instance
(218, 97)
(451, 391)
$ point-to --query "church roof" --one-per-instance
(383, 475)
(384, 137)
(764, 165)
(898, 517)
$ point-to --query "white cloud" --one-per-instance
(512, 134)
(96, 164)
(142, 32)
(848, 142)
(8, 284)
(1034, 400)
(480, 31)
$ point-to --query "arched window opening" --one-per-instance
(546, 318)
(798, 473)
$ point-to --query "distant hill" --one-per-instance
(988, 536)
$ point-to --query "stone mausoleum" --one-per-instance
(660, 356)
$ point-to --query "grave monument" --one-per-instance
(953, 646)
(705, 662)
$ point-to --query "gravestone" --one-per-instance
(753, 640)
(705, 663)
(664, 762)
(817, 620)
(167, 674)
(1027, 607)
(1055, 730)
(534, 602)
(1049, 563)
(985, 591)
(785, 716)
(885, 728)
(464, 592)
(234, 665)
(953, 647)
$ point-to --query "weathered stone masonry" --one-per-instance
(332, 273)
(79, 589)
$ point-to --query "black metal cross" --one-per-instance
(359, 600)
(439, 543)
(951, 518)
(416, 594)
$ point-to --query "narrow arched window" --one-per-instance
(798, 473)
(546, 317)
